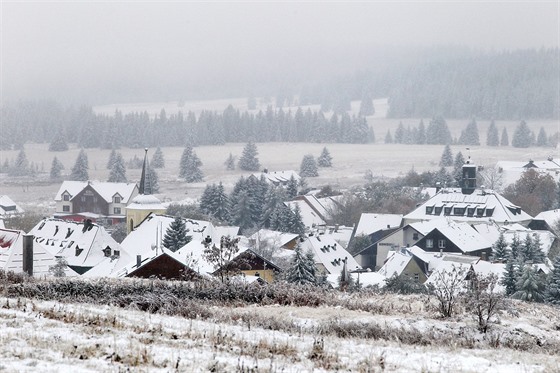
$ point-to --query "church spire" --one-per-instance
(145, 185)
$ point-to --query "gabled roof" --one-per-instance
(371, 223)
(7, 206)
(480, 206)
(464, 236)
(105, 189)
(270, 237)
(396, 263)
(81, 244)
(551, 217)
(309, 216)
(329, 253)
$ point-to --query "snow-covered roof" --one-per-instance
(145, 201)
(396, 263)
(8, 207)
(270, 237)
(329, 253)
(278, 177)
(371, 223)
(551, 217)
(435, 260)
(105, 189)
(481, 205)
(445, 270)
(309, 217)
(81, 244)
(491, 232)
(463, 235)
(370, 278)
(8, 237)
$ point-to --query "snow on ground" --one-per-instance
(54, 337)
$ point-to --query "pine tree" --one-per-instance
(505, 138)
(446, 157)
(458, 168)
(509, 281)
(56, 168)
(492, 136)
(112, 158)
(230, 162)
(421, 133)
(531, 250)
(470, 135)
(176, 235)
(292, 187)
(552, 292)
(158, 161)
(521, 136)
(308, 167)
(241, 212)
(80, 170)
(21, 165)
(499, 249)
(189, 168)
(325, 159)
(302, 269)
(152, 185)
(542, 139)
(117, 173)
(296, 225)
(515, 247)
(529, 286)
(438, 132)
(249, 160)
(399, 134)
(58, 143)
(388, 137)
(366, 105)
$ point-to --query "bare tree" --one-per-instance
(221, 256)
(492, 178)
(483, 300)
(447, 287)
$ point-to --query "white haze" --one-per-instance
(99, 52)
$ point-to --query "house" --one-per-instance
(162, 264)
(546, 220)
(14, 243)
(101, 202)
(329, 255)
(83, 245)
(512, 170)
(277, 177)
(374, 225)
(405, 262)
(469, 204)
(251, 264)
(273, 239)
(8, 207)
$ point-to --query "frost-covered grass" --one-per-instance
(145, 325)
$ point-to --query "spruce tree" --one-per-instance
(521, 136)
(509, 281)
(446, 157)
(325, 159)
(505, 138)
(117, 173)
(458, 168)
(515, 247)
(438, 132)
(189, 168)
(292, 187)
(296, 225)
(552, 292)
(529, 286)
(56, 169)
(152, 185)
(542, 139)
(58, 143)
(499, 249)
(470, 135)
(421, 133)
(176, 235)
(308, 167)
(249, 160)
(80, 170)
(21, 166)
(230, 162)
(388, 137)
(492, 136)
(158, 161)
(399, 134)
(302, 269)
(112, 158)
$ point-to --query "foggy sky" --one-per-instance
(98, 51)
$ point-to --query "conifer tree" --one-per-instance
(158, 161)
(552, 292)
(249, 160)
(296, 225)
(308, 167)
(241, 212)
(438, 132)
(176, 235)
(509, 281)
(325, 159)
(388, 137)
(522, 136)
(421, 133)
(56, 169)
(470, 135)
(458, 167)
(21, 166)
(292, 187)
(399, 134)
(152, 186)
(58, 143)
(505, 138)
(230, 162)
(515, 247)
(446, 157)
(529, 286)
(117, 172)
(80, 170)
(492, 136)
(499, 249)
(302, 269)
(112, 158)
(542, 139)
(189, 168)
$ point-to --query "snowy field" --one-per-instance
(54, 337)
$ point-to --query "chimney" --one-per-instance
(28, 254)
(438, 187)
(138, 261)
(468, 180)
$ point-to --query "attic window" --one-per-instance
(459, 211)
(489, 211)
(66, 197)
(117, 199)
(514, 209)
(438, 210)
(480, 212)
(117, 253)
(470, 211)
(447, 211)
(78, 250)
(429, 210)
(69, 233)
(107, 251)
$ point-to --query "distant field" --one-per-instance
(350, 163)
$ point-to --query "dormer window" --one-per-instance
(480, 212)
(66, 197)
(447, 211)
(117, 199)
(459, 211)
(438, 210)
(470, 211)
(489, 211)
(107, 251)
(78, 250)
(429, 210)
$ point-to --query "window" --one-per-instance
(83, 198)
(117, 210)
(438, 210)
(447, 210)
(66, 197)
(470, 211)
(441, 244)
(66, 208)
(94, 199)
(489, 211)
(459, 211)
(117, 253)
(415, 236)
(416, 277)
(429, 243)
(480, 212)
(429, 209)
(117, 199)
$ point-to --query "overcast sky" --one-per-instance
(81, 51)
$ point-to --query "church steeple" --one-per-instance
(145, 186)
